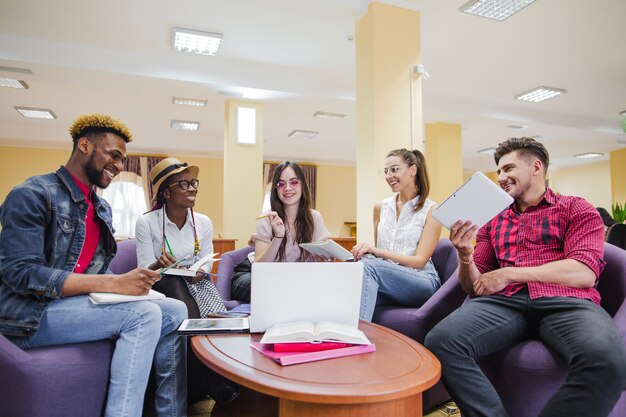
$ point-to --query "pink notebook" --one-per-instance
(292, 358)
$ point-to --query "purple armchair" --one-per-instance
(417, 322)
(225, 269)
(526, 375)
(64, 380)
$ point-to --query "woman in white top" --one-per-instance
(172, 231)
(399, 268)
(292, 221)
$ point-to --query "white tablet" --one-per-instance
(214, 325)
(479, 200)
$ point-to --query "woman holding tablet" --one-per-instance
(399, 269)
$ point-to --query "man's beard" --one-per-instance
(95, 177)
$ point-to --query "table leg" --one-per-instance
(403, 407)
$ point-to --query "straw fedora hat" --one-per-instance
(165, 169)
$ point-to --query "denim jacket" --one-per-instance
(42, 235)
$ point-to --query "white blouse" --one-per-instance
(401, 235)
(149, 234)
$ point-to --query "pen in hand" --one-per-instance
(262, 216)
(164, 270)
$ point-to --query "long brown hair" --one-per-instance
(304, 219)
(422, 182)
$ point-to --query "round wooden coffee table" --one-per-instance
(388, 382)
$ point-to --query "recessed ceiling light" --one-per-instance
(13, 83)
(189, 101)
(184, 125)
(588, 155)
(328, 115)
(303, 134)
(15, 69)
(196, 42)
(490, 151)
(517, 127)
(540, 94)
(35, 113)
(494, 9)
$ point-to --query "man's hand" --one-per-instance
(493, 281)
(462, 236)
(136, 282)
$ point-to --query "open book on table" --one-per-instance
(324, 331)
(112, 298)
(193, 269)
(328, 248)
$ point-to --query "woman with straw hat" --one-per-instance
(171, 231)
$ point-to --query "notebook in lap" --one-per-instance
(479, 199)
(284, 292)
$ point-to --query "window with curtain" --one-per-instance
(130, 194)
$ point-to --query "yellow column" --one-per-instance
(443, 152)
(618, 176)
(243, 175)
(388, 100)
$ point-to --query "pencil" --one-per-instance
(262, 216)
(169, 247)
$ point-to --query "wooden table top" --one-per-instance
(400, 367)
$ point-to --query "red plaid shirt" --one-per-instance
(558, 227)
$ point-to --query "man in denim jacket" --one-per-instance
(56, 243)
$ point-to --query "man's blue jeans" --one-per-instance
(580, 331)
(144, 333)
(395, 283)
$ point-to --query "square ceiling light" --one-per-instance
(303, 134)
(189, 101)
(494, 9)
(13, 83)
(36, 113)
(539, 94)
(184, 125)
(328, 115)
(196, 42)
(588, 155)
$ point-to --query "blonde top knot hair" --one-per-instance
(96, 122)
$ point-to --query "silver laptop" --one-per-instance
(304, 291)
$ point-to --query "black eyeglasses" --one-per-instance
(184, 184)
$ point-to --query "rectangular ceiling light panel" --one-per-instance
(184, 125)
(589, 155)
(328, 115)
(189, 101)
(36, 113)
(196, 42)
(13, 83)
(494, 9)
(539, 94)
(489, 151)
(303, 134)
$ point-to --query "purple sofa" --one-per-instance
(526, 375)
(225, 269)
(63, 380)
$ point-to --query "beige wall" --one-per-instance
(590, 181)
(618, 176)
(336, 197)
(336, 185)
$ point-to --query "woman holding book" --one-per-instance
(399, 268)
(290, 222)
(171, 231)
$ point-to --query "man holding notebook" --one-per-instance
(532, 274)
(56, 243)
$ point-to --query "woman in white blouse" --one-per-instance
(399, 268)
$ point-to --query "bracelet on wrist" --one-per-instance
(279, 237)
(471, 260)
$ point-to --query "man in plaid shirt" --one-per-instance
(532, 274)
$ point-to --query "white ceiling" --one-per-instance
(115, 57)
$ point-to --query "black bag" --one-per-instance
(240, 284)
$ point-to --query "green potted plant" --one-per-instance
(619, 212)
